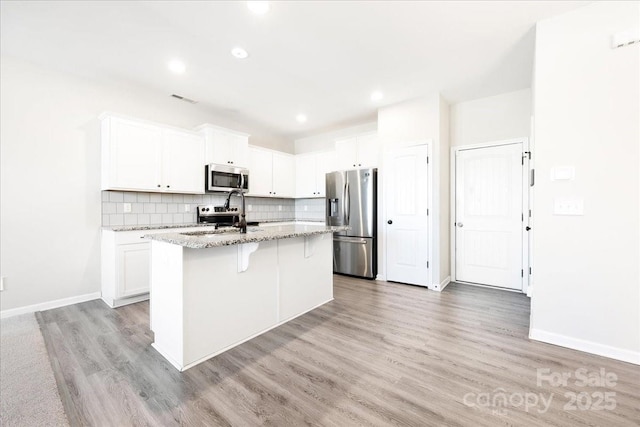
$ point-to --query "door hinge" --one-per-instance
(427, 160)
(529, 270)
(533, 177)
(529, 213)
(427, 212)
(522, 160)
(522, 217)
(427, 264)
(521, 273)
(528, 153)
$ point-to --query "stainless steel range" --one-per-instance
(220, 216)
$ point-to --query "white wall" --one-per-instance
(495, 118)
(326, 141)
(586, 293)
(421, 120)
(50, 159)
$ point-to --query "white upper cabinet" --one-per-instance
(225, 146)
(271, 173)
(182, 170)
(143, 156)
(310, 173)
(357, 152)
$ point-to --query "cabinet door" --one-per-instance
(219, 148)
(367, 151)
(182, 158)
(325, 162)
(260, 172)
(133, 269)
(239, 150)
(135, 152)
(284, 175)
(306, 175)
(347, 154)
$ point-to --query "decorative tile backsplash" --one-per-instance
(167, 209)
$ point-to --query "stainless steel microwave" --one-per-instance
(226, 178)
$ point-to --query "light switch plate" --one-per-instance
(187, 208)
(126, 207)
(568, 206)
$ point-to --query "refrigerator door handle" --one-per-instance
(347, 198)
(355, 240)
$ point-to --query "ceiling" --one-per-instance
(323, 59)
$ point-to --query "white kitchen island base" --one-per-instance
(206, 301)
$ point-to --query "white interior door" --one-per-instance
(488, 216)
(406, 222)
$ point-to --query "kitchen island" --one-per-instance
(212, 290)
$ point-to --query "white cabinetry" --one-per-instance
(310, 173)
(126, 264)
(357, 152)
(143, 156)
(225, 146)
(271, 173)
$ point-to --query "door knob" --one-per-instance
(389, 222)
(460, 224)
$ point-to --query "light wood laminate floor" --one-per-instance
(379, 354)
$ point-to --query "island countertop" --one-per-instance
(215, 238)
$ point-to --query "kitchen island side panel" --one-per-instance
(166, 304)
(224, 307)
(305, 274)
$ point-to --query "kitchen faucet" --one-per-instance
(242, 224)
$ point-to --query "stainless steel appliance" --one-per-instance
(221, 216)
(352, 200)
(226, 178)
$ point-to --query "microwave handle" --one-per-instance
(241, 181)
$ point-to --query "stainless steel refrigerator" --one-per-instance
(352, 200)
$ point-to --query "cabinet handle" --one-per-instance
(158, 185)
(168, 186)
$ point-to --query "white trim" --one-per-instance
(49, 305)
(115, 303)
(586, 346)
(526, 194)
(440, 287)
(381, 277)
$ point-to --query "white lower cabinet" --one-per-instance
(126, 265)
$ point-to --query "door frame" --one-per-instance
(383, 205)
(526, 209)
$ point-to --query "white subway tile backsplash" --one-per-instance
(167, 218)
(156, 208)
(130, 197)
(116, 219)
(130, 219)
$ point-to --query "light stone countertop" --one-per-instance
(226, 237)
(192, 225)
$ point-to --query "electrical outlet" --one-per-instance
(126, 207)
(279, 207)
(187, 208)
(306, 208)
(249, 208)
(2, 283)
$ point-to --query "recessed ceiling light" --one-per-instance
(258, 7)
(377, 96)
(239, 53)
(177, 66)
(301, 118)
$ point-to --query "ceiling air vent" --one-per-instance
(182, 98)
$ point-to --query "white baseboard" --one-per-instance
(586, 346)
(49, 305)
(381, 277)
(440, 287)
